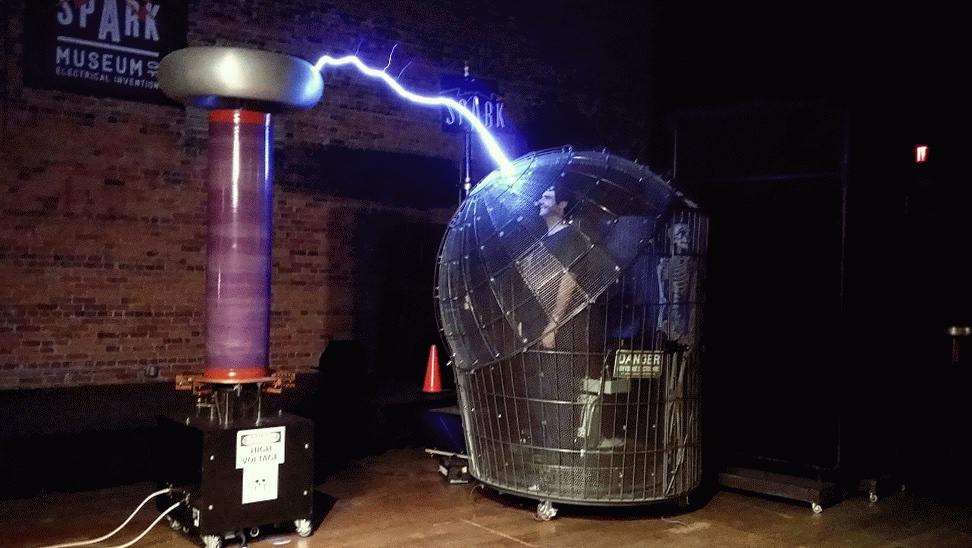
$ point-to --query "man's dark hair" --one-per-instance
(563, 193)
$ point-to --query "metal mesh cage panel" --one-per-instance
(577, 366)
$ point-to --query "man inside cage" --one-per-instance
(566, 244)
(569, 355)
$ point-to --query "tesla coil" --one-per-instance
(230, 466)
(577, 365)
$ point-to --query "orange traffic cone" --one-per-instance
(433, 382)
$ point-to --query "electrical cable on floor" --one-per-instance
(120, 527)
(149, 528)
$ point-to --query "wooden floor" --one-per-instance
(399, 499)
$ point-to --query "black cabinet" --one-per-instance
(791, 347)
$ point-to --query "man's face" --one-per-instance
(549, 206)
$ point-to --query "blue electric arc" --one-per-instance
(492, 146)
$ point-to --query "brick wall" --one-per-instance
(102, 216)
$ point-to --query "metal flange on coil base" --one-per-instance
(219, 77)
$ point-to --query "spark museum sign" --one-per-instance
(105, 48)
(476, 95)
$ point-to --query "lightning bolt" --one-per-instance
(493, 147)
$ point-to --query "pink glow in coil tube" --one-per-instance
(238, 247)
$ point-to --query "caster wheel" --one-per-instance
(872, 497)
(816, 508)
(545, 510)
(174, 524)
(303, 527)
(683, 502)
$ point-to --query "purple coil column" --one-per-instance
(241, 88)
(238, 245)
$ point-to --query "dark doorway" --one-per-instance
(407, 325)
